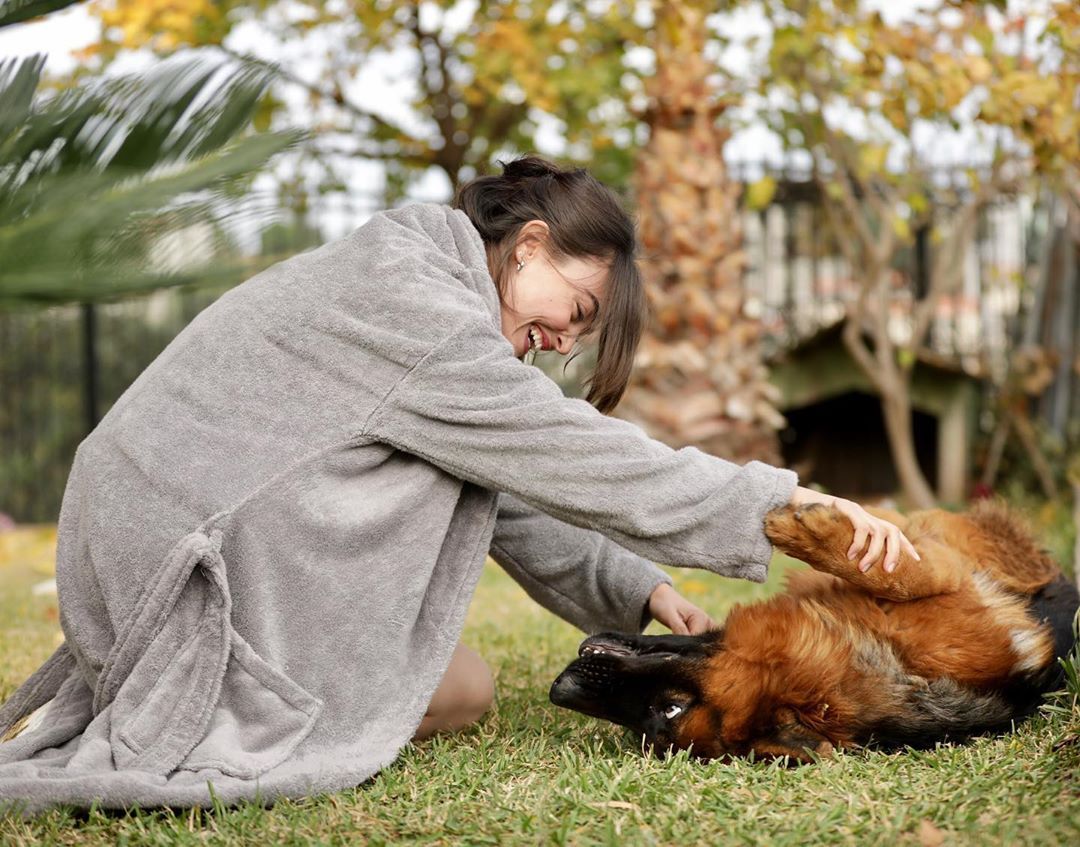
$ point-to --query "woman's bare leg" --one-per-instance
(465, 693)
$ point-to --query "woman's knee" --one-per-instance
(466, 692)
(474, 686)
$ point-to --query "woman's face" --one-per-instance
(550, 302)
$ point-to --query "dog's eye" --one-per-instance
(673, 711)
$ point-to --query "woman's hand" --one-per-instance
(878, 536)
(677, 613)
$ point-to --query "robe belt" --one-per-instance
(195, 703)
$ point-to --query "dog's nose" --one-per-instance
(565, 691)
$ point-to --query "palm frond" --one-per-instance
(184, 108)
(17, 11)
(18, 81)
(90, 177)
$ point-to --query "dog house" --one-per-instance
(836, 432)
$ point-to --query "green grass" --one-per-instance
(534, 774)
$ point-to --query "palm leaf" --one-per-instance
(90, 178)
(17, 11)
(18, 80)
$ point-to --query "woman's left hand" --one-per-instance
(677, 613)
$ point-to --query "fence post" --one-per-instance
(922, 261)
(90, 365)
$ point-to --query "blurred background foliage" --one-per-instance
(97, 178)
(479, 77)
(141, 169)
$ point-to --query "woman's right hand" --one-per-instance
(677, 613)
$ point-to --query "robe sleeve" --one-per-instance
(581, 576)
(469, 407)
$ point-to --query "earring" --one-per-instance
(520, 265)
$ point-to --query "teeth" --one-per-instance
(535, 338)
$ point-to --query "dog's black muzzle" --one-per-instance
(617, 677)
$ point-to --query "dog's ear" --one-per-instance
(791, 737)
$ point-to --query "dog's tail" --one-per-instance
(1011, 553)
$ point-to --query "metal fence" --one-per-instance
(61, 368)
(798, 280)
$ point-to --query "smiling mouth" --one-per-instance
(537, 339)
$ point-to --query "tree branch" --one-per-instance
(450, 156)
(943, 274)
(854, 259)
(335, 95)
(419, 157)
(840, 160)
(853, 341)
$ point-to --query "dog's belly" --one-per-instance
(902, 701)
(981, 636)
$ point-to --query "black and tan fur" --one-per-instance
(965, 641)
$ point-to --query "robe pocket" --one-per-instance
(260, 718)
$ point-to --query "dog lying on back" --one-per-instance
(964, 641)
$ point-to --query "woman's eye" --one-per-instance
(673, 711)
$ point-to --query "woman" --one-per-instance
(267, 547)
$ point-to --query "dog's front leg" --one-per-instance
(821, 536)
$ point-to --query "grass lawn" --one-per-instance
(534, 774)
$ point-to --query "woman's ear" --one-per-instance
(792, 738)
(530, 238)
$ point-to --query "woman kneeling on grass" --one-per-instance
(267, 547)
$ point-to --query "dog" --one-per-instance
(965, 641)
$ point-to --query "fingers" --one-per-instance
(858, 543)
(879, 538)
(887, 541)
(698, 622)
(877, 543)
(898, 545)
(677, 613)
(892, 548)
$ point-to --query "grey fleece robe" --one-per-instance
(267, 547)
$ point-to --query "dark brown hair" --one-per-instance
(585, 220)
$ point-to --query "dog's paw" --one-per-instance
(808, 532)
(793, 523)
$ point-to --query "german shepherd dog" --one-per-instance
(964, 641)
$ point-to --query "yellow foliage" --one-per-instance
(979, 70)
(901, 228)
(759, 194)
(918, 203)
(160, 24)
(872, 157)
(692, 587)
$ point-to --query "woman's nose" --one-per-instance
(564, 343)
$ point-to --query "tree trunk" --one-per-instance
(894, 388)
(699, 377)
(896, 408)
